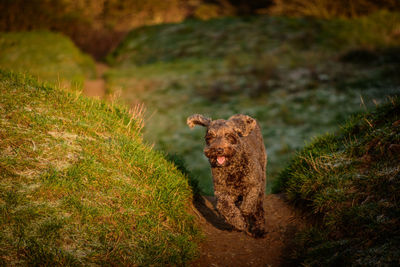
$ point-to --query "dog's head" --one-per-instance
(223, 137)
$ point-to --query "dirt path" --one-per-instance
(223, 247)
(96, 88)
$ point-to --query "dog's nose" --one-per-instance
(220, 150)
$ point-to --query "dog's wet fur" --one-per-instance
(236, 152)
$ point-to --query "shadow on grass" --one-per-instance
(377, 56)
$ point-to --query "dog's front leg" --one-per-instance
(249, 204)
(253, 211)
(255, 188)
(227, 208)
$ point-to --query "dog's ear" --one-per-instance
(243, 124)
(199, 120)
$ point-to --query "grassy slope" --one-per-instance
(49, 56)
(350, 181)
(291, 74)
(78, 186)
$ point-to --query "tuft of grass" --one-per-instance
(49, 56)
(350, 181)
(298, 77)
(79, 187)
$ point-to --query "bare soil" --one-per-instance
(96, 88)
(226, 247)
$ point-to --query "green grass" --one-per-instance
(349, 181)
(49, 56)
(298, 77)
(223, 37)
(79, 187)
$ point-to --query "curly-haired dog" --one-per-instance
(236, 152)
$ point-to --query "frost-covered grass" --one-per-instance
(78, 187)
(298, 77)
(350, 182)
(51, 57)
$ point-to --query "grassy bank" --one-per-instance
(298, 77)
(79, 187)
(349, 181)
(49, 56)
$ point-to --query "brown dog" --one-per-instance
(236, 152)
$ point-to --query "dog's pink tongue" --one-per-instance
(221, 160)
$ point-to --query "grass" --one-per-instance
(79, 187)
(349, 181)
(298, 77)
(51, 57)
(223, 37)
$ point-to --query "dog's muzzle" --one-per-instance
(218, 157)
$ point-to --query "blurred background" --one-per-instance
(97, 26)
(300, 67)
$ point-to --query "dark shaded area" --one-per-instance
(290, 246)
(210, 213)
(252, 7)
(388, 59)
(390, 55)
(359, 56)
(96, 42)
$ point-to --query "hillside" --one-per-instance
(79, 187)
(97, 26)
(49, 56)
(299, 77)
(350, 183)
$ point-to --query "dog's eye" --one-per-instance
(231, 138)
(209, 138)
